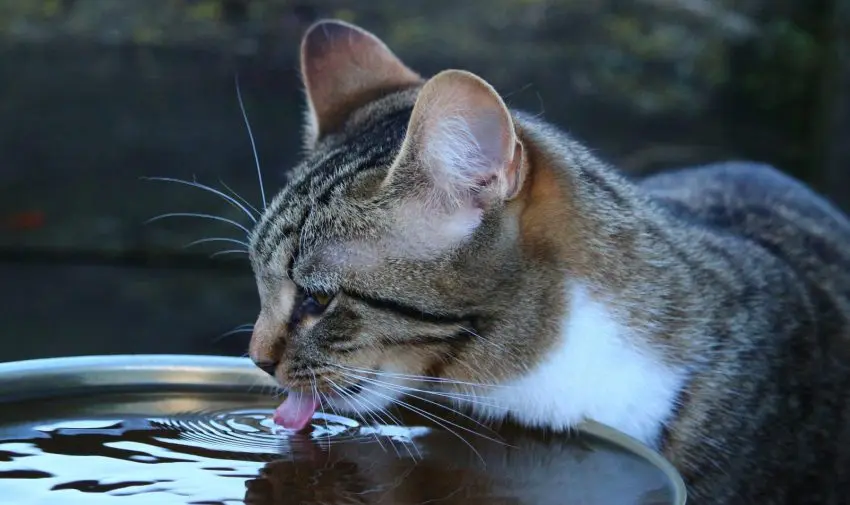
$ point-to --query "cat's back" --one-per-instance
(759, 204)
(785, 334)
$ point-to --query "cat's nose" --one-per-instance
(267, 366)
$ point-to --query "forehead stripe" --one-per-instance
(383, 135)
(376, 146)
(391, 126)
(318, 195)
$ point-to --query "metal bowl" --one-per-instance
(155, 399)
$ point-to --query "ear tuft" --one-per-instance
(344, 67)
(462, 134)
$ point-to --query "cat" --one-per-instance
(434, 239)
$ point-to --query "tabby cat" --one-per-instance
(433, 238)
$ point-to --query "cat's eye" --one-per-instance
(322, 299)
(316, 303)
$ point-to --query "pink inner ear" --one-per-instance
(491, 131)
(343, 64)
(464, 138)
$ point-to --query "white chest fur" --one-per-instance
(594, 372)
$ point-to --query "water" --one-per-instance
(208, 449)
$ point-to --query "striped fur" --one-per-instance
(712, 301)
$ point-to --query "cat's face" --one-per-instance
(395, 239)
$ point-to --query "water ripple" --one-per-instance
(253, 431)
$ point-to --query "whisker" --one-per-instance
(486, 340)
(392, 418)
(251, 137)
(238, 196)
(198, 185)
(217, 239)
(459, 396)
(239, 329)
(423, 378)
(375, 417)
(199, 215)
(323, 399)
(352, 400)
(446, 420)
(314, 384)
(476, 334)
(397, 422)
(402, 390)
(344, 395)
(228, 251)
(234, 332)
(330, 404)
(436, 420)
(380, 410)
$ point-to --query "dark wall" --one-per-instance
(95, 95)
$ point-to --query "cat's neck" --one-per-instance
(611, 361)
(605, 233)
(596, 370)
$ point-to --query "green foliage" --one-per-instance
(652, 57)
(205, 10)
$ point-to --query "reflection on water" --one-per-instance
(236, 454)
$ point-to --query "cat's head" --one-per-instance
(395, 244)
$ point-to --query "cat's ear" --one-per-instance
(462, 136)
(344, 67)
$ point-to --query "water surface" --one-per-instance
(208, 449)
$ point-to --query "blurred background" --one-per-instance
(97, 94)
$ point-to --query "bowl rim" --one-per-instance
(49, 377)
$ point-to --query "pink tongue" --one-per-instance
(296, 411)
